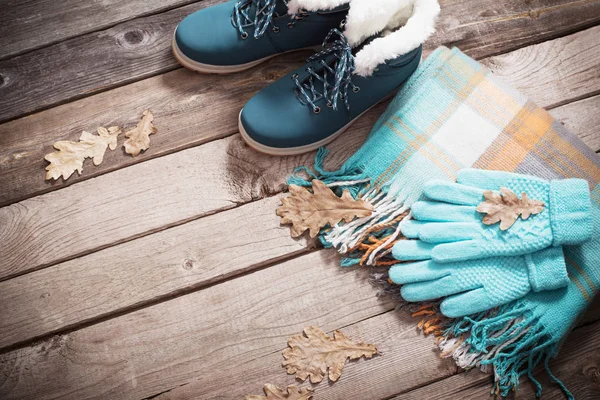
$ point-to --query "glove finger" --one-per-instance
(442, 212)
(422, 291)
(445, 232)
(457, 251)
(412, 250)
(453, 193)
(410, 228)
(468, 303)
(402, 274)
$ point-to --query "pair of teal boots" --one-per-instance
(310, 106)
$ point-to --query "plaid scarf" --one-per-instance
(453, 114)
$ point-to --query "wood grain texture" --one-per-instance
(407, 359)
(182, 259)
(189, 109)
(27, 25)
(559, 70)
(156, 348)
(227, 174)
(577, 365)
(146, 197)
(583, 117)
(90, 63)
(141, 47)
(183, 104)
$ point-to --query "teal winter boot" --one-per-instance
(354, 71)
(239, 34)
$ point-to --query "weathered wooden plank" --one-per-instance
(146, 197)
(56, 298)
(380, 378)
(140, 48)
(191, 183)
(153, 349)
(545, 68)
(87, 64)
(489, 27)
(27, 25)
(582, 117)
(408, 359)
(183, 258)
(577, 366)
(191, 109)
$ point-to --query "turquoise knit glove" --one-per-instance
(479, 285)
(450, 228)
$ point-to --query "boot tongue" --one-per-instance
(365, 42)
(281, 8)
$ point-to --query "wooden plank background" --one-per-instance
(168, 275)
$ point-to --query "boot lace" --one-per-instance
(340, 70)
(258, 13)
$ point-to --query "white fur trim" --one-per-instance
(294, 6)
(369, 17)
(417, 29)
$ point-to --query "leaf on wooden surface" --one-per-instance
(312, 211)
(506, 207)
(292, 392)
(70, 155)
(138, 137)
(310, 356)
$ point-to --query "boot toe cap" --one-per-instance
(209, 37)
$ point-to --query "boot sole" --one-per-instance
(196, 66)
(292, 151)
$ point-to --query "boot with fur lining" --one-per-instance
(402, 26)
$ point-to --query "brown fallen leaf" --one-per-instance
(310, 356)
(506, 207)
(276, 393)
(138, 137)
(312, 211)
(70, 155)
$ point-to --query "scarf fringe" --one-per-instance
(364, 241)
(508, 339)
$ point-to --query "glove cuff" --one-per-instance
(547, 269)
(570, 211)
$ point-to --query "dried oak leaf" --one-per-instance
(138, 137)
(70, 155)
(310, 356)
(506, 207)
(312, 211)
(276, 393)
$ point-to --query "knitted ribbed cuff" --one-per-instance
(547, 269)
(570, 211)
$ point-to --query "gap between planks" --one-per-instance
(182, 103)
(54, 27)
(31, 86)
(194, 335)
(199, 181)
(185, 259)
(576, 365)
(248, 182)
(385, 384)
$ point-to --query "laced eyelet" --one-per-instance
(295, 76)
(356, 89)
(329, 104)
(317, 110)
(244, 35)
(290, 25)
(276, 29)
